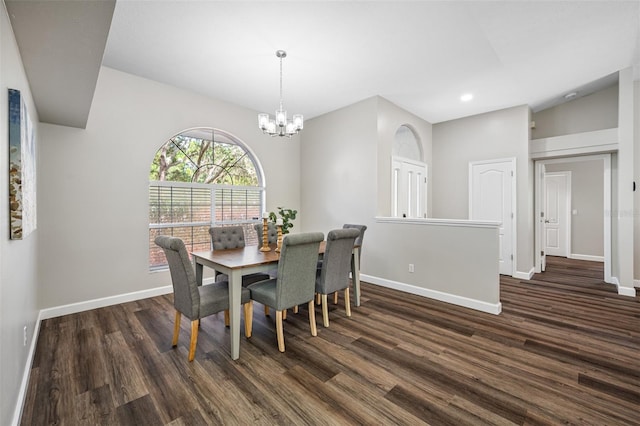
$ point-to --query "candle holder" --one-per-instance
(279, 245)
(265, 236)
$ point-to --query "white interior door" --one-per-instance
(557, 206)
(409, 188)
(491, 185)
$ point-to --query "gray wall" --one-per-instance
(587, 192)
(94, 184)
(596, 111)
(346, 163)
(18, 258)
(346, 159)
(636, 210)
(494, 135)
(624, 237)
(338, 157)
(390, 118)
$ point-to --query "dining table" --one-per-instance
(248, 260)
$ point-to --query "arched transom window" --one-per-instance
(201, 178)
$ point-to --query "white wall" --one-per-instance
(587, 192)
(596, 111)
(94, 183)
(18, 258)
(494, 135)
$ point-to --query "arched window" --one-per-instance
(200, 178)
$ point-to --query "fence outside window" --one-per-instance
(188, 210)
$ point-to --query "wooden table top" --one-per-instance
(243, 257)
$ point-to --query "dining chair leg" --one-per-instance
(325, 311)
(248, 318)
(176, 329)
(266, 311)
(312, 318)
(347, 303)
(318, 301)
(284, 314)
(194, 339)
(295, 309)
(226, 318)
(279, 332)
(335, 298)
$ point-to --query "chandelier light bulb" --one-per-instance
(281, 118)
(263, 121)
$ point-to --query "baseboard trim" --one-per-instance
(586, 257)
(22, 392)
(524, 275)
(627, 291)
(74, 308)
(478, 305)
(636, 283)
(623, 291)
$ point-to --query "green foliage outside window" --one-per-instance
(190, 159)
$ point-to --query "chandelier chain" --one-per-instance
(280, 82)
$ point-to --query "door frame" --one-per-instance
(568, 206)
(514, 203)
(539, 203)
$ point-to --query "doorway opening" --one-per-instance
(603, 176)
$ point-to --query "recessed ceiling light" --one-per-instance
(466, 97)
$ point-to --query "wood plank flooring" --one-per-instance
(565, 350)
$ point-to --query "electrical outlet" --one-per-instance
(411, 267)
(24, 336)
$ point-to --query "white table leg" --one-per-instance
(235, 296)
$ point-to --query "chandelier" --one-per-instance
(280, 126)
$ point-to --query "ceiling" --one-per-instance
(420, 55)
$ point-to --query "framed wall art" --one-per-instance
(22, 169)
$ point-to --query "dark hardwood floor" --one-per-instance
(565, 350)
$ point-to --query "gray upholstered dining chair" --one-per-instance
(295, 283)
(272, 233)
(360, 238)
(194, 301)
(333, 276)
(358, 242)
(232, 237)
